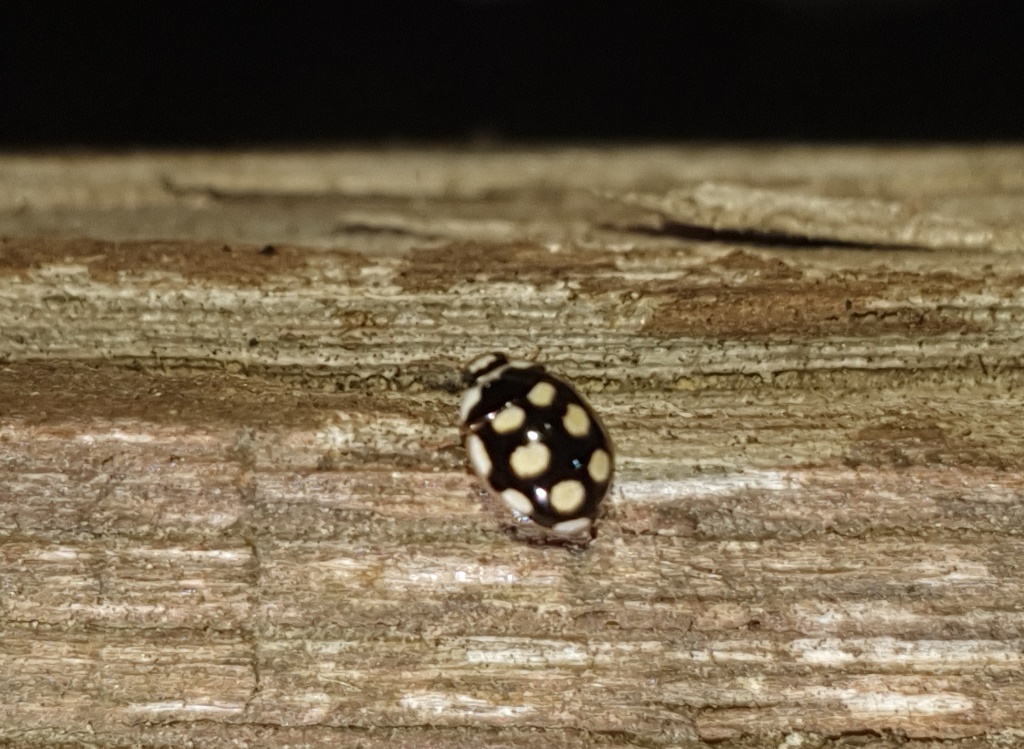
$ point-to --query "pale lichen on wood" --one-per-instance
(234, 509)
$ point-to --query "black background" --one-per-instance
(188, 74)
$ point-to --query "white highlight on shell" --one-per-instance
(469, 399)
(567, 496)
(530, 460)
(478, 456)
(600, 466)
(571, 527)
(508, 419)
(517, 501)
(576, 421)
(542, 394)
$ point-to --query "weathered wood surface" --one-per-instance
(233, 508)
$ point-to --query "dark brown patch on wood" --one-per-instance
(759, 310)
(780, 301)
(41, 392)
(106, 261)
(766, 268)
(906, 443)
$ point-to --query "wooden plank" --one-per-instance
(234, 509)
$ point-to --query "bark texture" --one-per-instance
(234, 509)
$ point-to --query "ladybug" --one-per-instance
(536, 444)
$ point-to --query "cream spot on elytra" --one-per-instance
(517, 501)
(530, 460)
(600, 466)
(478, 456)
(576, 421)
(469, 399)
(571, 527)
(542, 394)
(508, 419)
(567, 496)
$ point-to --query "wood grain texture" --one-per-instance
(234, 509)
